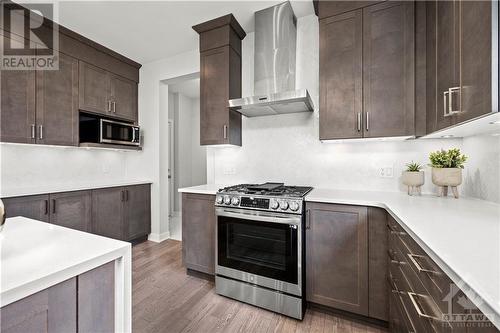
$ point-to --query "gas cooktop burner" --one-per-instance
(268, 189)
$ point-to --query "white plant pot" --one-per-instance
(413, 178)
(447, 176)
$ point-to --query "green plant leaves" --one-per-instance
(452, 158)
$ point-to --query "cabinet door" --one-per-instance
(198, 232)
(94, 89)
(337, 256)
(57, 103)
(137, 211)
(107, 212)
(72, 210)
(475, 59)
(52, 310)
(214, 95)
(33, 207)
(340, 59)
(124, 97)
(96, 300)
(17, 111)
(389, 69)
(442, 61)
(378, 303)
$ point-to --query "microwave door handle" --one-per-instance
(101, 126)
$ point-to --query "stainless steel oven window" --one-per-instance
(293, 221)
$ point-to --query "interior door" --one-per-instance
(388, 69)
(94, 89)
(72, 210)
(341, 94)
(124, 97)
(57, 103)
(17, 112)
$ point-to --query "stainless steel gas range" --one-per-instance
(260, 246)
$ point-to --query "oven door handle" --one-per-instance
(296, 220)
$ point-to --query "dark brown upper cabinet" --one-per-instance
(459, 62)
(220, 80)
(367, 74)
(57, 103)
(105, 93)
(17, 113)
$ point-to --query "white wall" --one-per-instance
(286, 148)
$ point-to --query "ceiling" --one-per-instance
(151, 30)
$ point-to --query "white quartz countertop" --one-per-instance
(70, 186)
(461, 235)
(35, 255)
(202, 189)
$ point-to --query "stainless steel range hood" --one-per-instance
(274, 85)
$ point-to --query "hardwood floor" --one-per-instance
(166, 299)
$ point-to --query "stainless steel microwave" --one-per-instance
(106, 131)
(118, 132)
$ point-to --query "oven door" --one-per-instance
(118, 132)
(260, 248)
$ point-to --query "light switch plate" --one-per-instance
(386, 172)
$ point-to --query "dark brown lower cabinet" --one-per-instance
(337, 256)
(71, 209)
(33, 207)
(85, 303)
(117, 212)
(198, 232)
(378, 302)
(96, 300)
(52, 310)
(122, 212)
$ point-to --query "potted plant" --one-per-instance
(447, 168)
(414, 178)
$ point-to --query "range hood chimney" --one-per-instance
(274, 73)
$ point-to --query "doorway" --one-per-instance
(187, 160)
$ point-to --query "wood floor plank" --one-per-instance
(168, 300)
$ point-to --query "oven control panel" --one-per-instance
(284, 205)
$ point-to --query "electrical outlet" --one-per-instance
(386, 172)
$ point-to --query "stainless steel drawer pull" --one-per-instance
(367, 121)
(224, 131)
(414, 257)
(421, 314)
(451, 93)
(395, 232)
(445, 104)
(40, 133)
(359, 121)
(33, 129)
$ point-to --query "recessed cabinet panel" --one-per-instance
(337, 257)
(341, 76)
(71, 210)
(124, 98)
(57, 103)
(94, 89)
(107, 212)
(17, 109)
(138, 211)
(33, 207)
(388, 69)
(198, 232)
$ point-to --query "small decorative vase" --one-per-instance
(444, 177)
(414, 180)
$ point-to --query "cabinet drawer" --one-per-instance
(434, 280)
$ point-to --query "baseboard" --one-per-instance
(158, 238)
